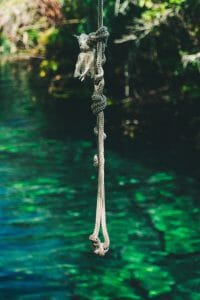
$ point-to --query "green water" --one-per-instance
(47, 205)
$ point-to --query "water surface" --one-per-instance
(47, 205)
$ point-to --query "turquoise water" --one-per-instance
(47, 206)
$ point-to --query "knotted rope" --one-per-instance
(90, 62)
(98, 105)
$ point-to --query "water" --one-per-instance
(47, 193)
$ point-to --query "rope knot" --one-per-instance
(96, 132)
(99, 103)
(99, 247)
(95, 161)
(101, 35)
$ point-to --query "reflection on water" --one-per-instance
(47, 205)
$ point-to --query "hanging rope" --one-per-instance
(90, 62)
(98, 105)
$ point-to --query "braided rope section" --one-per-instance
(99, 39)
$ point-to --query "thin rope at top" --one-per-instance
(100, 13)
